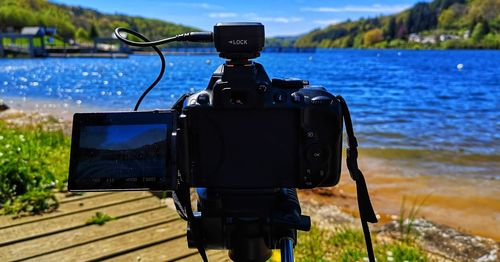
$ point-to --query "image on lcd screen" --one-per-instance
(122, 153)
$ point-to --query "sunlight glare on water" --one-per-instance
(398, 98)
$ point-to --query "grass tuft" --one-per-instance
(100, 219)
(33, 164)
(407, 219)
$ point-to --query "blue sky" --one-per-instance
(281, 17)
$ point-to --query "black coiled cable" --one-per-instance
(192, 37)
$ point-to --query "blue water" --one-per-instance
(398, 98)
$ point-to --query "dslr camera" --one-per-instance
(245, 144)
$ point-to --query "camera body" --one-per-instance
(247, 131)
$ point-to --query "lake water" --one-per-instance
(398, 98)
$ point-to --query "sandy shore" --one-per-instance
(470, 204)
(62, 110)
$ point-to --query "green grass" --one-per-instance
(100, 219)
(407, 219)
(33, 164)
(347, 244)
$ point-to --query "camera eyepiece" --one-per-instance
(239, 41)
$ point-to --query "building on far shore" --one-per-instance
(433, 39)
(430, 39)
(38, 31)
(445, 37)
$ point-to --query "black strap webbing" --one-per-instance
(366, 212)
(182, 200)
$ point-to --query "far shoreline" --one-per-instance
(318, 50)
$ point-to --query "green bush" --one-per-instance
(33, 163)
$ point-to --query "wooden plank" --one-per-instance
(102, 249)
(217, 255)
(173, 250)
(63, 198)
(212, 255)
(79, 205)
(58, 224)
(166, 251)
(85, 235)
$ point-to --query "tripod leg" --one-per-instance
(286, 246)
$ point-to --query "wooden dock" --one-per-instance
(145, 229)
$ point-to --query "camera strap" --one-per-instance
(366, 212)
(182, 200)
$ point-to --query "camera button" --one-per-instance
(310, 134)
(317, 154)
(321, 100)
(279, 98)
(203, 99)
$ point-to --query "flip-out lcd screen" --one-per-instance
(122, 151)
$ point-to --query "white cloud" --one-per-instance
(327, 22)
(204, 5)
(256, 17)
(222, 15)
(377, 8)
(277, 19)
(196, 5)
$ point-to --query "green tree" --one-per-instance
(421, 17)
(402, 31)
(358, 41)
(479, 32)
(487, 9)
(52, 17)
(348, 41)
(446, 18)
(16, 17)
(81, 35)
(93, 32)
(65, 29)
(391, 30)
(444, 4)
(372, 37)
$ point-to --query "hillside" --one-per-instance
(439, 24)
(77, 22)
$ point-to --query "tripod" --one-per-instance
(286, 247)
(248, 223)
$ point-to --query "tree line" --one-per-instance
(468, 23)
(81, 24)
